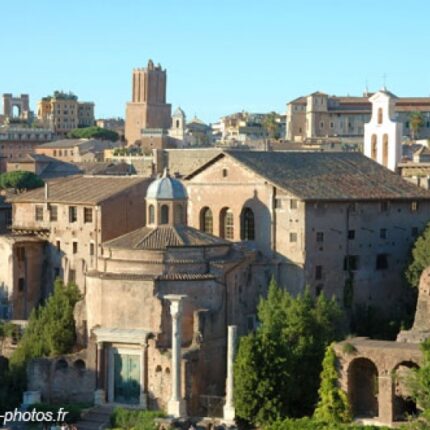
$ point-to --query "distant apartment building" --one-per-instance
(62, 112)
(319, 115)
(19, 141)
(76, 150)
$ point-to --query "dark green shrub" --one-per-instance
(127, 419)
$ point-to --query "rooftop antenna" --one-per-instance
(367, 88)
(384, 78)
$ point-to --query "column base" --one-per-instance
(229, 413)
(176, 408)
(143, 401)
(99, 397)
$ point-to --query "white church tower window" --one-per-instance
(383, 134)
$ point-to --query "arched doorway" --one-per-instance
(403, 404)
(363, 388)
(247, 224)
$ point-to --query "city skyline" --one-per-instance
(220, 57)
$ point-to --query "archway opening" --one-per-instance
(247, 230)
(16, 111)
(226, 224)
(206, 220)
(403, 403)
(363, 388)
(164, 214)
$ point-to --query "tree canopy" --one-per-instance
(420, 258)
(93, 133)
(20, 180)
(277, 368)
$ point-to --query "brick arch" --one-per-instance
(403, 404)
(363, 374)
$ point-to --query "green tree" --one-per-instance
(420, 258)
(50, 332)
(271, 125)
(416, 121)
(333, 406)
(93, 133)
(20, 180)
(277, 368)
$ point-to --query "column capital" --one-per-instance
(175, 303)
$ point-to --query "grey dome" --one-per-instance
(166, 188)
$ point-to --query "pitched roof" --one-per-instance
(165, 236)
(80, 189)
(325, 175)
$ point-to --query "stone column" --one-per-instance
(143, 391)
(229, 410)
(385, 399)
(176, 405)
(99, 395)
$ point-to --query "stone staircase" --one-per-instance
(96, 418)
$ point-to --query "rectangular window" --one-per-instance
(39, 213)
(414, 206)
(320, 236)
(383, 233)
(53, 213)
(73, 213)
(381, 262)
(278, 203)
(293, 237)
(75, 247)
(384, 206)
(91, 248)
(318, 272)
(88, 215)
(351, 234)
(72, 276)
(20, 253)
(293, 204)
(350, 263)
(8, 217)
(21, 284)
(58, 245)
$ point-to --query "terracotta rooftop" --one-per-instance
(80, 189)
(163, 237)
(326, 175)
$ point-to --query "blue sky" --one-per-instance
(221, 55)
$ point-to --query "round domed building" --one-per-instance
(129, 309)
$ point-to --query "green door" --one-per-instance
(127, 379)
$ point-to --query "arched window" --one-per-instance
(374, 145)
(164, 214)
(151, 213)
(226, 224)
(247, 230)
(179, 214)
(206, 220)
(380, 116)
(177, 123)
(385, 150)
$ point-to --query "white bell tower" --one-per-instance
(383, 134)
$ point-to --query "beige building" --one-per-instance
(337, 222)
(76, 150)
(319, 115)
(148, 109)
(62, 112)
(68, 220)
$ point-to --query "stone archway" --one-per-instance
(403, 404)
(363, 388)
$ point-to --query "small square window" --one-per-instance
(383, 233)
(293, 237)
(320, 236)
(88, 215)
(414, 206)
(92, 248)
(381, 262)
(351, 234)
(278, 203)
(293, 204)
(224, 173)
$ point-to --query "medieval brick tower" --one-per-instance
(148, 112)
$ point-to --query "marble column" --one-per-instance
(99, 395)
(229, 410)
(176, 406)
(143, 392)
